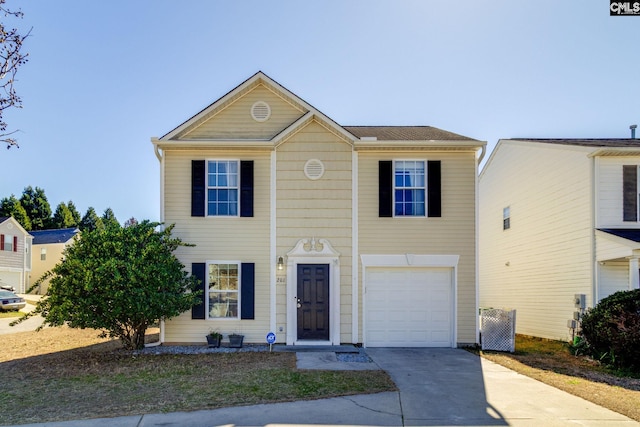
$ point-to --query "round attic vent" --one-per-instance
(260, 111)
(314, 169)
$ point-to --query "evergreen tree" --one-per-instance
(74, 213)
(119, 280)
(37, 207)
(62, 218)
(109, 218)
(12, 207)
(91, 221)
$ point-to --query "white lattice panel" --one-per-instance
(498, 329)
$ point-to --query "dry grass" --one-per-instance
(61, 374)
(551, 363)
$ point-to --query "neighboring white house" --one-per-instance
(321, 233)
(558, 218)
(15, 254)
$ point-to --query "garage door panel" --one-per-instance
(409, 307)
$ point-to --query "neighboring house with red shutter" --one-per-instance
(558, 218)
(15, 254)
(321, 233)
(48, 248)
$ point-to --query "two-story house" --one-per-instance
(15, 254)
(321, 233)
(48, 249)
(558, 218)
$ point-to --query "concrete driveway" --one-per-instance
(447, 387)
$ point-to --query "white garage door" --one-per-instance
(408, 307)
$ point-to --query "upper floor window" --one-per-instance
(8, 242)
(222, 187)
(630, 193)
(43, 254)
(506, 218)
(409, 188)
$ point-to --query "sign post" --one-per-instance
(271, 338)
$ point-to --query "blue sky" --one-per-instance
(104, 77)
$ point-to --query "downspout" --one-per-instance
(160, 157)
(477, 243)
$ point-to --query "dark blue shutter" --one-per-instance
(247, 291)
(434, 189)
(385, 188)
(198, 269)
(630, 193)
(198, 187)
(246, 188)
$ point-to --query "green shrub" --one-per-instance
(612, 330)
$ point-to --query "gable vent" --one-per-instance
(260, 111)
(314, 169)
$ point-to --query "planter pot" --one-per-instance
(235, 341)
(213, 341)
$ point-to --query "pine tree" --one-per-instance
(37, 207)
(74, 213)
(91, 221)
(11, 206)
(109, 218)
(62, 218)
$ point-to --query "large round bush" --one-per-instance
(612, 330)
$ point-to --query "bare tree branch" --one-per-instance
(11, 58)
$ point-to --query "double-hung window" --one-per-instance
(506, 218)
(223, 291)
(409, 188)
(222, 187)
(630, 195)
(8, 242)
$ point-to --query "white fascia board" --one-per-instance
(410, 260)
(236, 144)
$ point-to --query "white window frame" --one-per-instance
(423, 188)
(208, 292)
(43, 254)
(506, 218)
(8, 242)
(236, 187)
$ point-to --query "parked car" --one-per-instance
(11, 301)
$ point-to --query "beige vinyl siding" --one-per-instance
(235, 121)
(538, 264)
(245, 240)
(609, 190)
(319, 208)
(39, 267)
(452, 234)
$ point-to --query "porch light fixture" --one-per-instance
(280, 263)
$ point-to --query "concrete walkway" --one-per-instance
(437, 387)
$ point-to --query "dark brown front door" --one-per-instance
(313, 301)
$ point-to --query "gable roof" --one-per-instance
(63, 235)
(367, 137)
(4, 219)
